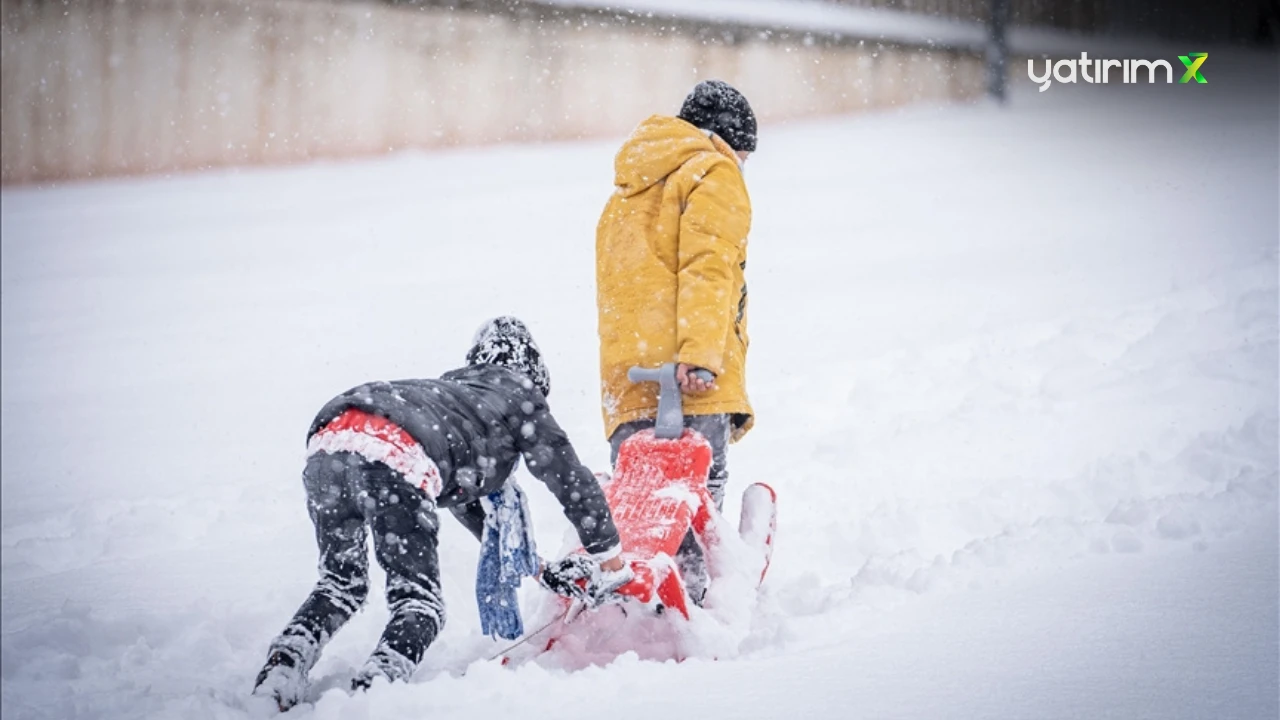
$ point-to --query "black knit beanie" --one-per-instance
(507, 342)
(716, 106)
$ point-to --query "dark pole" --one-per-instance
(998, 50)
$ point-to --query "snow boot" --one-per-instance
(282, 680)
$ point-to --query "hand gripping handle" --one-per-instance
(670, 421)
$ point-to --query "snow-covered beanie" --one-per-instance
(717, 106)
(507, 342)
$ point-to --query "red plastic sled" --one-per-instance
(657, 494)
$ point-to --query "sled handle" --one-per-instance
(670, 422)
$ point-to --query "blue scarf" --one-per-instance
(507, 554)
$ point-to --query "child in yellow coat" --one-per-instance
(671, 256)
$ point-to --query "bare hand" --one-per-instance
(691, 383)
(613, 564)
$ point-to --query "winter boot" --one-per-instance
(281, 679)
(386, 663)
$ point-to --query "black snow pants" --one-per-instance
(347, 496)
(715, 428)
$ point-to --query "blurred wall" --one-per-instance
(109, 87)
(1202, 21)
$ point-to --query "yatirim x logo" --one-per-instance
(1193, 67)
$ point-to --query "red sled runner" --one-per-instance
(658, 493)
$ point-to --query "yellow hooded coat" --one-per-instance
(671, 250)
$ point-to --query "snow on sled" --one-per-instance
(658, 493)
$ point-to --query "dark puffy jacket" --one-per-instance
(475, 423)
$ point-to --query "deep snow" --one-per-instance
(1015, 371)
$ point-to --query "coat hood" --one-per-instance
(657, 148)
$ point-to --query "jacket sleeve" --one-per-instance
(550, 458)
(713, 227)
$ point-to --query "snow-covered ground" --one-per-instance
(1015, 371)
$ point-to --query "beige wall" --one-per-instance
(110, 87)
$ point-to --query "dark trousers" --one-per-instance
(347, 496)
(715, 428)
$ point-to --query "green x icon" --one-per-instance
(1193, 67)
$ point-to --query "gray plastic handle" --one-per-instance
(670, 422)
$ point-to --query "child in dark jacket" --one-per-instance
(384, 456)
